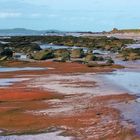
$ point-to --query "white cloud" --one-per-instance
(5, 15)
(35, 15)
(9, 14)
(36, 1)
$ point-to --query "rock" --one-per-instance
(43, 55)
(23, 47)
(62, 55)
(129, 54)
(89, 57)
(7, 52)
(110, 61)
(77, 53)
(92, 64)
(3, 58)
(99, 114)
(133, 56)
(65, 57)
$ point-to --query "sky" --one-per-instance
(70, 15)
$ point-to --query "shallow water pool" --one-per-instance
(9, 81)
(128, 80)
(9, 69)
(45, 136)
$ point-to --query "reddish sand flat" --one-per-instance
(27, 109)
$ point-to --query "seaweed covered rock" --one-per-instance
(65, 57)
(62, 55)
(89, 57)
(93, 42)
(23, 47)
(6, 54)
(43, 55)
(77, 53)
(129, 54)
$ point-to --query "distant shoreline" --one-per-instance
(124, 33)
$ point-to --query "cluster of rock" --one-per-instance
(32, 51)
(6, 54)
(9, 50)
(128, 54)
(74, 55)
(23, 46)
(59, 54)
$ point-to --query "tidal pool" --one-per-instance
(56, 47)
(130, 113)
(45, 136)
(128, 80)
(11, 69)
(9, 81)
(133, 46)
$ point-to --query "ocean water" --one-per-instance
(130, 112)
(129, 80)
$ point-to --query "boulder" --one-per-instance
(43, 55)
(62, 55)
(89, 57)
(7, 52)
(65, 57)
(77, 53)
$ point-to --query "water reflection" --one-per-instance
(9, 81)
(128, 80)
(8, 69)
(45, 136)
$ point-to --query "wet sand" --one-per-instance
(33, 107)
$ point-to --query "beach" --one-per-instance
(68, 99)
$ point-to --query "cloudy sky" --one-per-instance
(70, 15)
